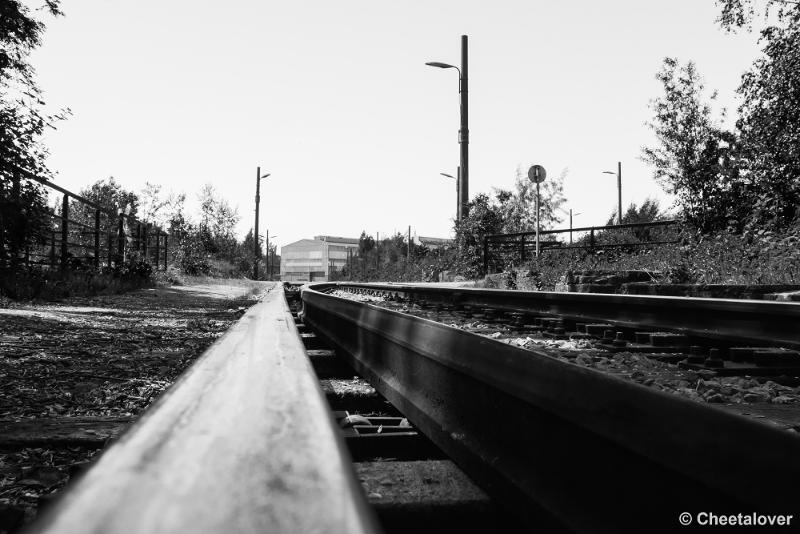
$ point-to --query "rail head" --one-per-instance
(243, 442)
(767, 323)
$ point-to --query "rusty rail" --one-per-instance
(244, 442)
(551, 439)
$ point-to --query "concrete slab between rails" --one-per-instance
(243, 442)
(429, 496)
(427, 481)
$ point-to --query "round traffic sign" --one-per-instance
(537, 174)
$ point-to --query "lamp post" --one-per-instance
(570, 224)
(270, 264)
(463, 132)
(458, 193)
(257, 248)
(619, 190)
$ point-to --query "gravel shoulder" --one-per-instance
(79, 371)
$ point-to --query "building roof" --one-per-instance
(434, 240)
(337, 239)
(303, 242)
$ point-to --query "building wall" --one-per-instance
(303, 261)
(309, 260)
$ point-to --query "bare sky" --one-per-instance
(335, 101)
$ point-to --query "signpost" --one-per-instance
(537, 174)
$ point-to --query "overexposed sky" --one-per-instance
(335, 101)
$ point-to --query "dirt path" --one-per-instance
(79, 371)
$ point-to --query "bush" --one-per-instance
(723, 258)
(192, 257)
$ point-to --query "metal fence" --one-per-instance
(80, 233)
(501, 250)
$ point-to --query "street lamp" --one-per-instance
(619, 190)
(257, 248)
(458, 192)
(463, 132)
(270, 264)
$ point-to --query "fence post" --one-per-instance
(591, 239)
(52, 246)
(121, 239)
(17, 220)
(97, 239)
(110, 244)
(485, 255)
(144, 241)
(64, 231)
(158, 250)
(521, 250)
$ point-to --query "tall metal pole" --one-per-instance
(64, 232)
(463, 133)
(570, 226)
(538, 227)
(256, 248)
(269, 269)
(458, 195)
(619, 192)
(408, 252)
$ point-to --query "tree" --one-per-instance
(175, 219)
(484, 217)
(152, 204)
(769, 122)
(21, 120)
(365, 243)
(519, 206)
(736, 14)
(769, 116)
(217, 215)
(110, 194)
(22, 123)
(693, 159)
(649, 211)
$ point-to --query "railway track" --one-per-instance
(450, 429)
(550, 439)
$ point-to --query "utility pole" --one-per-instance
(463, 134)
(459, 214)
(255, 233)
(538, 217)
(408, 252)
(619, 192)
(256, 246)
(463, 131)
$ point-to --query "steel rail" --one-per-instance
(766, 323)
(556, 441)
(244, 442)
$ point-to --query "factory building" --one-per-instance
(311, 260)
